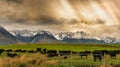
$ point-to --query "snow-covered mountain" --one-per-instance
(74, 37)
(34, 36)
(83, 37)
(26, 33)
(7, 38)
(44, 37)
(78, 37)
(110, 40)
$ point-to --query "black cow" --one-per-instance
(12, 55)
(97, 55)
(44, 51)
(31, 51)
(112, 54)
(23, 50)
(1, 50)
(52, 53)
(73, 52)
(104, 52)
(117, 51)
(18, 50)
(9, 50)
(88, 52)
(65, 57)
(65, 52)
(82, 54)
(38, 49)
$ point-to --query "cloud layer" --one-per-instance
(94, 16)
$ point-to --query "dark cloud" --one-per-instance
(27, 9)
(99, 21)
(46, 20)
(19, 21)
(42, 20)
(74, 21)
(61, 15)
(14, 1)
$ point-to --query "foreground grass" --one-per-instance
(38, 60)
(33, 60)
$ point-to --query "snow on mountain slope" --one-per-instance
(75, 35)
(27, 36)
(23, 32)
(7, 38)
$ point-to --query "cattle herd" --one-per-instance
(97, 54)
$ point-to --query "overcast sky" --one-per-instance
(94, 16)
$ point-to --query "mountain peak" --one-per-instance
(1, 27)
(6, 37)
(72, 36)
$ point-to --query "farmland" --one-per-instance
(35, 59)
(73, 47)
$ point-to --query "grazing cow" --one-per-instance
(44, 51)
(117, 51)
(18, 50)
(64, 52)
(88, 52)
(65, 57)
(82, 54)
(112, 54)
(9, 50)
(97, 55)
(1, 50)
(12, 55)
(38, 49)
(74, 52)
(31, 51)
(23, 50)
(52, 53)
(104, 52)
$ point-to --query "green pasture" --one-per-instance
(73, 60)
(73, 47)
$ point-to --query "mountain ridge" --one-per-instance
(6, 37)
(69, 37)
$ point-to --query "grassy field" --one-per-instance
(73, 60)
(73, 47)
